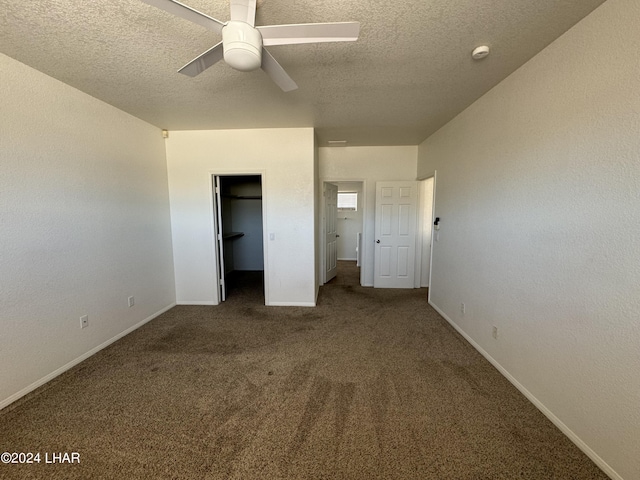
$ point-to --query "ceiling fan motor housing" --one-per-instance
(242, 46)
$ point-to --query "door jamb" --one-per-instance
(421, 226)
(433, 175)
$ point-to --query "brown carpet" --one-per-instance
(371, 384)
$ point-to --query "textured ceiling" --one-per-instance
(409, 73)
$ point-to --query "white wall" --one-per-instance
(538, 191)
(368, 164)
(84, 222)
(285, 157)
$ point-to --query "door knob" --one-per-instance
(377, 241)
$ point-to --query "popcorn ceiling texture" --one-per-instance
(538, 191)
(409, 73)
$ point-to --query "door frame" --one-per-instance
(214, 232)
(421, 238)
(321, 232)
(433, 175)
(325, 203)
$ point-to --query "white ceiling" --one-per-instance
(409, 73)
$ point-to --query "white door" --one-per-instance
(217, 222)
(395, 234)
(331, 244)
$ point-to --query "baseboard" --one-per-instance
(348, 259)
(604, 466)
(291, 304)
(16, 396)
(196, 303)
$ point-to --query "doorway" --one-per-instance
(238, 220)
(342, 230)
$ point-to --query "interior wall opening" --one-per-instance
(347, 224)
(241, 252)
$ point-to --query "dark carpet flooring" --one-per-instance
(370, 384)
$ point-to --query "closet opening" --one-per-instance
(239, 232)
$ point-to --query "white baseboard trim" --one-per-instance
(291, 304)
(196, 303)
(16, 396)
(349, 259)
(604, 466)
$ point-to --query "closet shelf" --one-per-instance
(230, 235)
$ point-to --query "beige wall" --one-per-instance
(368, 164)
(538, 193)
(84, 222)
(285, 158)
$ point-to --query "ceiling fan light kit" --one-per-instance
(243, 44)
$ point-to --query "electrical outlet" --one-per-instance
(84, 321)
(462, 308)
(131, 301)
(495, 332)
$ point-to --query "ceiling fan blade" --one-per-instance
(309, 33)
(204, 61)
(188, 13)
(244, 11)
(276, 72)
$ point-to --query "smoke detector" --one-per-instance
(480, 52)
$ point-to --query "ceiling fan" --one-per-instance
(242, 45)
